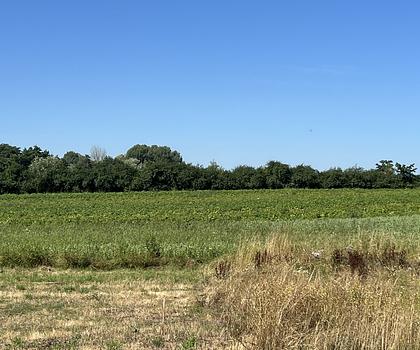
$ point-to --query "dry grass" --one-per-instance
(316, 285)
(114, 310)
(285, 296)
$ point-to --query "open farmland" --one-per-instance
(169, 269)
(146, 229)
(184, 206)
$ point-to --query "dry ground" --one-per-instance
(48, 309)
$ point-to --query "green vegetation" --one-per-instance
(205, 206)
(299, 270)
(126, 230)
(146, 168)
(227, 266)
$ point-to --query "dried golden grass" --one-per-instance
(283, 296)
(121, 312)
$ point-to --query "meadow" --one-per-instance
(122, 230)
(185, 206)
(298, 269)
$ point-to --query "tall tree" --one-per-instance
(243, 177)
(29, 154)
(333, 178)
(112, 175)
(46, 175)
(154, 153)
(386, 167)
(407, 173)
(80, 175)
(277, 174)
(304, 176)
(10, 169)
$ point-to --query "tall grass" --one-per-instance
(284, 295)
(122, 245)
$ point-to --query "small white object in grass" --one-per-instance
(317, 254)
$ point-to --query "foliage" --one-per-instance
(46, 175)
(144, 154)
(278, 175)
(127, 230)
(112, 175)
(158, 168)
(406, 173)
(333, 178)
(304, 176)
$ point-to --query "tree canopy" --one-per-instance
(158, 168)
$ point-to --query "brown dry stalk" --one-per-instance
(346, 299)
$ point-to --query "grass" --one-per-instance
(255, 295)
(205, 206)
(124, 245)
(283, 295)
(84, 309)
(231, 269)
(139, 230)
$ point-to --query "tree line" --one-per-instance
(152, 168)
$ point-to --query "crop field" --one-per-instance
(124, 230)
(185, 206)
(173, 270)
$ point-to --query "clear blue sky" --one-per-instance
(325, 83)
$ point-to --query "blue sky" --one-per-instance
(325, 83)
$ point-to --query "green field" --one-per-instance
(184, 206)
(125, 230)
(131, 270)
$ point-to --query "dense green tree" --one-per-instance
(243, 177)
(374, 179)
(406, 173)
(10, 177)
(258, 180)
(145, 168)
(154, 153)
(382, 179)
(8, 152)
(213, 177)
(385, 176)
(386, 167)
(164, 176)
(46, 175)
(217, 177)
(14, 165)
(355, 177)
(201, 180)
(332, 178)
(185, 176)
(71, 158)
(277, 175)
(304, 176)
(112, 175)
(28, 155)
(157, 175)
(80, 177)
(10, 169)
